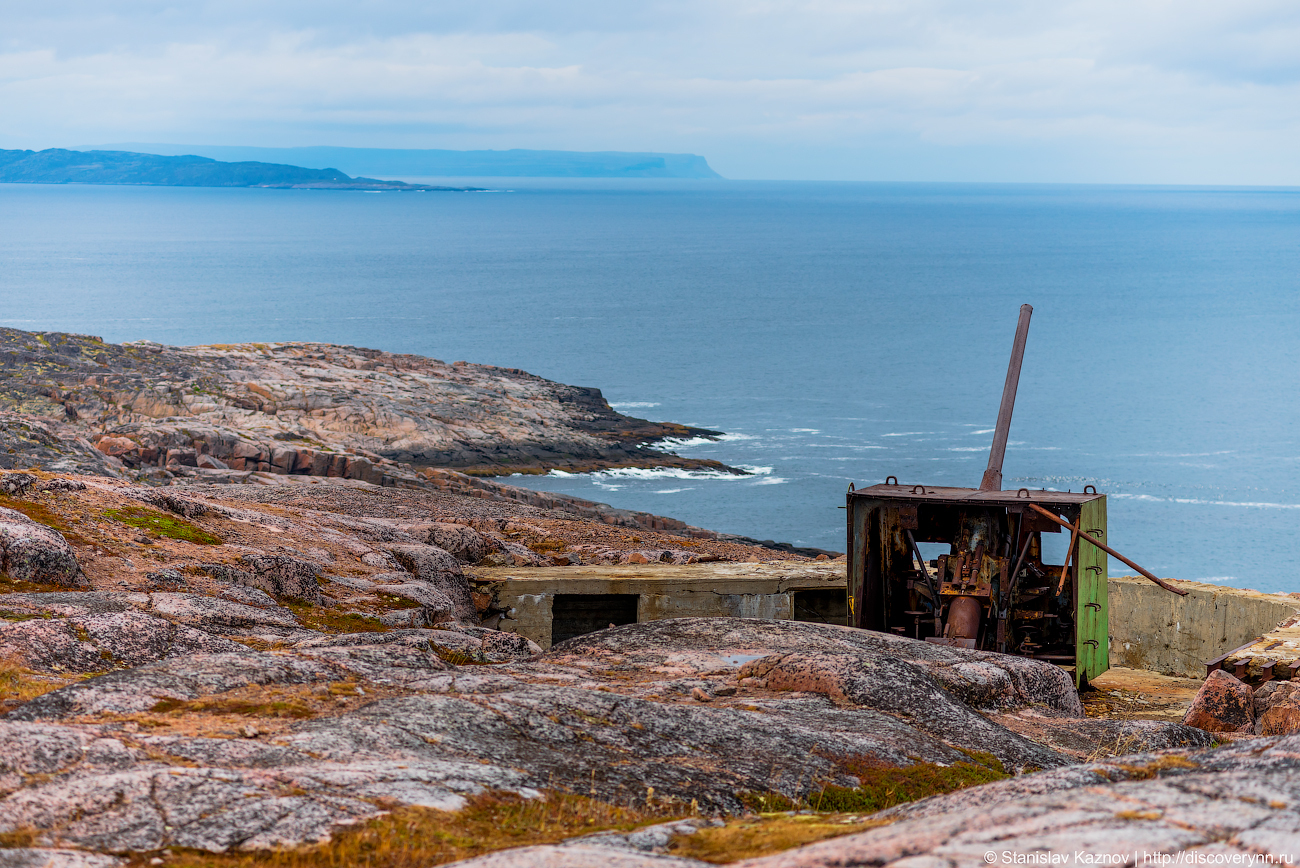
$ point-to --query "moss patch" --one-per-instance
(883, 786)
(334, 621)
(413, 837)
(42, 514)
(162, 524)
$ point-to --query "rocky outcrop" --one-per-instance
(94, 643)
(1223, 704)
(697, 710)
(319, 409)
(439, 572)
(283, 576)
(35, 553)
(1233, 805)
(1277, 708)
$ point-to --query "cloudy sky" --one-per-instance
(1132, 91)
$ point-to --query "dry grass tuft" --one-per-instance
(1153, 769)
(19, 838)
(752, 837)
(413, 837)
(42, 514)
(19, 684)
(232, 705)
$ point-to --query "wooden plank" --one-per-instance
(1092, 609)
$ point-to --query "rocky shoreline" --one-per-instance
(202, 665)
(317, 410)
(235, 669)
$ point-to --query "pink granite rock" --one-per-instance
(1223, 704)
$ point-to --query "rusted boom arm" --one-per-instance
(1107, 549)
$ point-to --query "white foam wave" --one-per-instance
(769, 480)
(983, 431)
(682, 442)
(754, 469)
(904, 433)
(672, 490)
(629, 405)
(1196, 501)
(661, 473)
(804, 431)
(966, 449)
(738, 437)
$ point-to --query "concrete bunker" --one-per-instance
(551, 604)
(578, 614)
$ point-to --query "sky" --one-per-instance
(1103, 91)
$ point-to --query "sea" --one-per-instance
(836, 333)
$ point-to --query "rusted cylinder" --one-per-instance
(964, 618)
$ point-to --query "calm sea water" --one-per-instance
(837, 332)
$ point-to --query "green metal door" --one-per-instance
(1092, 614)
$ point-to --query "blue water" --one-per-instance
(837, 332)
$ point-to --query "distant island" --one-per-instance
(410, 163)
(59, 166)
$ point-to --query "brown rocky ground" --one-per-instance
(245, 635)
(202, 672)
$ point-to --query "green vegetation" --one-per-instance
(333, 621)
(42, 514)
(162, 524)
(883, 786)
(831, 811)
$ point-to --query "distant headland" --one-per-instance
(413, 163)
(59, 166)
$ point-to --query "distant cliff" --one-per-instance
(411, 163)
(59, 166)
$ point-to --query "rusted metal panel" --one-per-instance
(858, 512)
(1092, 612)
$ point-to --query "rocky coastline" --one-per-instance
(290, 661)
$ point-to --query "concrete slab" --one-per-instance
(1135, 694)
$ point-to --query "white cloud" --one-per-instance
(1144, 90)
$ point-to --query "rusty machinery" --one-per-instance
(992, 590)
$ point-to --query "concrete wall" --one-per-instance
(526, 597)
(1155, 630)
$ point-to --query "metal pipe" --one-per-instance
(1108, 550)
(992, 480)
(934, 591)
(1069, 555)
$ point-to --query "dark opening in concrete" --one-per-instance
(826, 606)
(579, 614)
